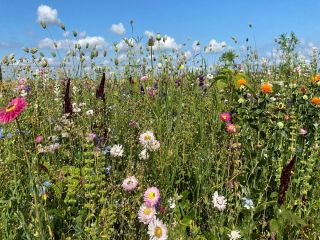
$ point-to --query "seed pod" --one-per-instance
(44, 63)
(43, 24)
(158, 37)
(34, 50)
(62, 26)
(26, 50)
(104, 53)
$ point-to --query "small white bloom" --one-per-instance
(155, 145)
(305, 97)
(65, 134)
(219, 202)
(116, 150)
(209, 76)
(234, 235)
(172, 203)
(23, 93)
(89, 112)
(144, 155)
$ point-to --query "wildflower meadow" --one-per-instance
(160, 145)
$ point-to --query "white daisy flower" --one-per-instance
(116, 150)
(146, 138)
(219, 202)
(89, 112)
(146, 214)
(234, 235)
(144, 155)
(209, 76)
(155, 145)
(157, 230)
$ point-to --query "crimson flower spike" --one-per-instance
(100, 90)
(285, 180)
(67, 101)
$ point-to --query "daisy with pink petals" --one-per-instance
(144, 78)
(225, 117)
(130, 183)
(13, 110)
(152, 196)
(231, 128)
(146, 214)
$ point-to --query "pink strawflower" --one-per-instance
(302, 131)
(38, 139)
(146, 214)
(91, 137)
(231, 128)
(13, 110)
(144, 78)
(130, 183)
(22, 81)
(225, 117)
(152, 196)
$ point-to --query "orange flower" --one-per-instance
(241, 82)
(315, 100)
(316, 78)
(266, 87)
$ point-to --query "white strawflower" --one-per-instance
(144, 155)
(219, 202)
(155, 145)
(234, 235)
(116, 150)
(209, 76)
(89, 112)
(146, 214)
(146, 138)
(157, 230)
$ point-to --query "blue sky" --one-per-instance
(184, 21)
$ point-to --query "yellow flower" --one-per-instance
(241, 82)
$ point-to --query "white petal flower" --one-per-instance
(116, 150)
(157, 230)
(219, 202)
(234, 235)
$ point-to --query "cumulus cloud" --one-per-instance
(170, 42)
(149, 34)
(118, 29)
(214, 46)
(123, 44)
(48, 15)
(65, 44)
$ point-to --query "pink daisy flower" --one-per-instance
(152, 196)
(130, 183)
(13, 110)
(225, 117)
(144, 78)
(146, 214)
(231, 128)
(38, 139)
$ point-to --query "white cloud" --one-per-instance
(170, 42)
(97, 41)
(215, 46)
(48, 15)
(149, 34)
(196, 46)
(123, 45)
(118, 29)
(65, 44)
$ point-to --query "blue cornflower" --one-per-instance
(248, 203)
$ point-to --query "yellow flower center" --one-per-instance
(11, 108)
(147, 211)
(151, 195)
(147, 138)
(158, 232)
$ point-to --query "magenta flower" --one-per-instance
(38, 139)
(225, 117)
(302, 131)
(231, 128)
(144, 78)
(13, 110)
